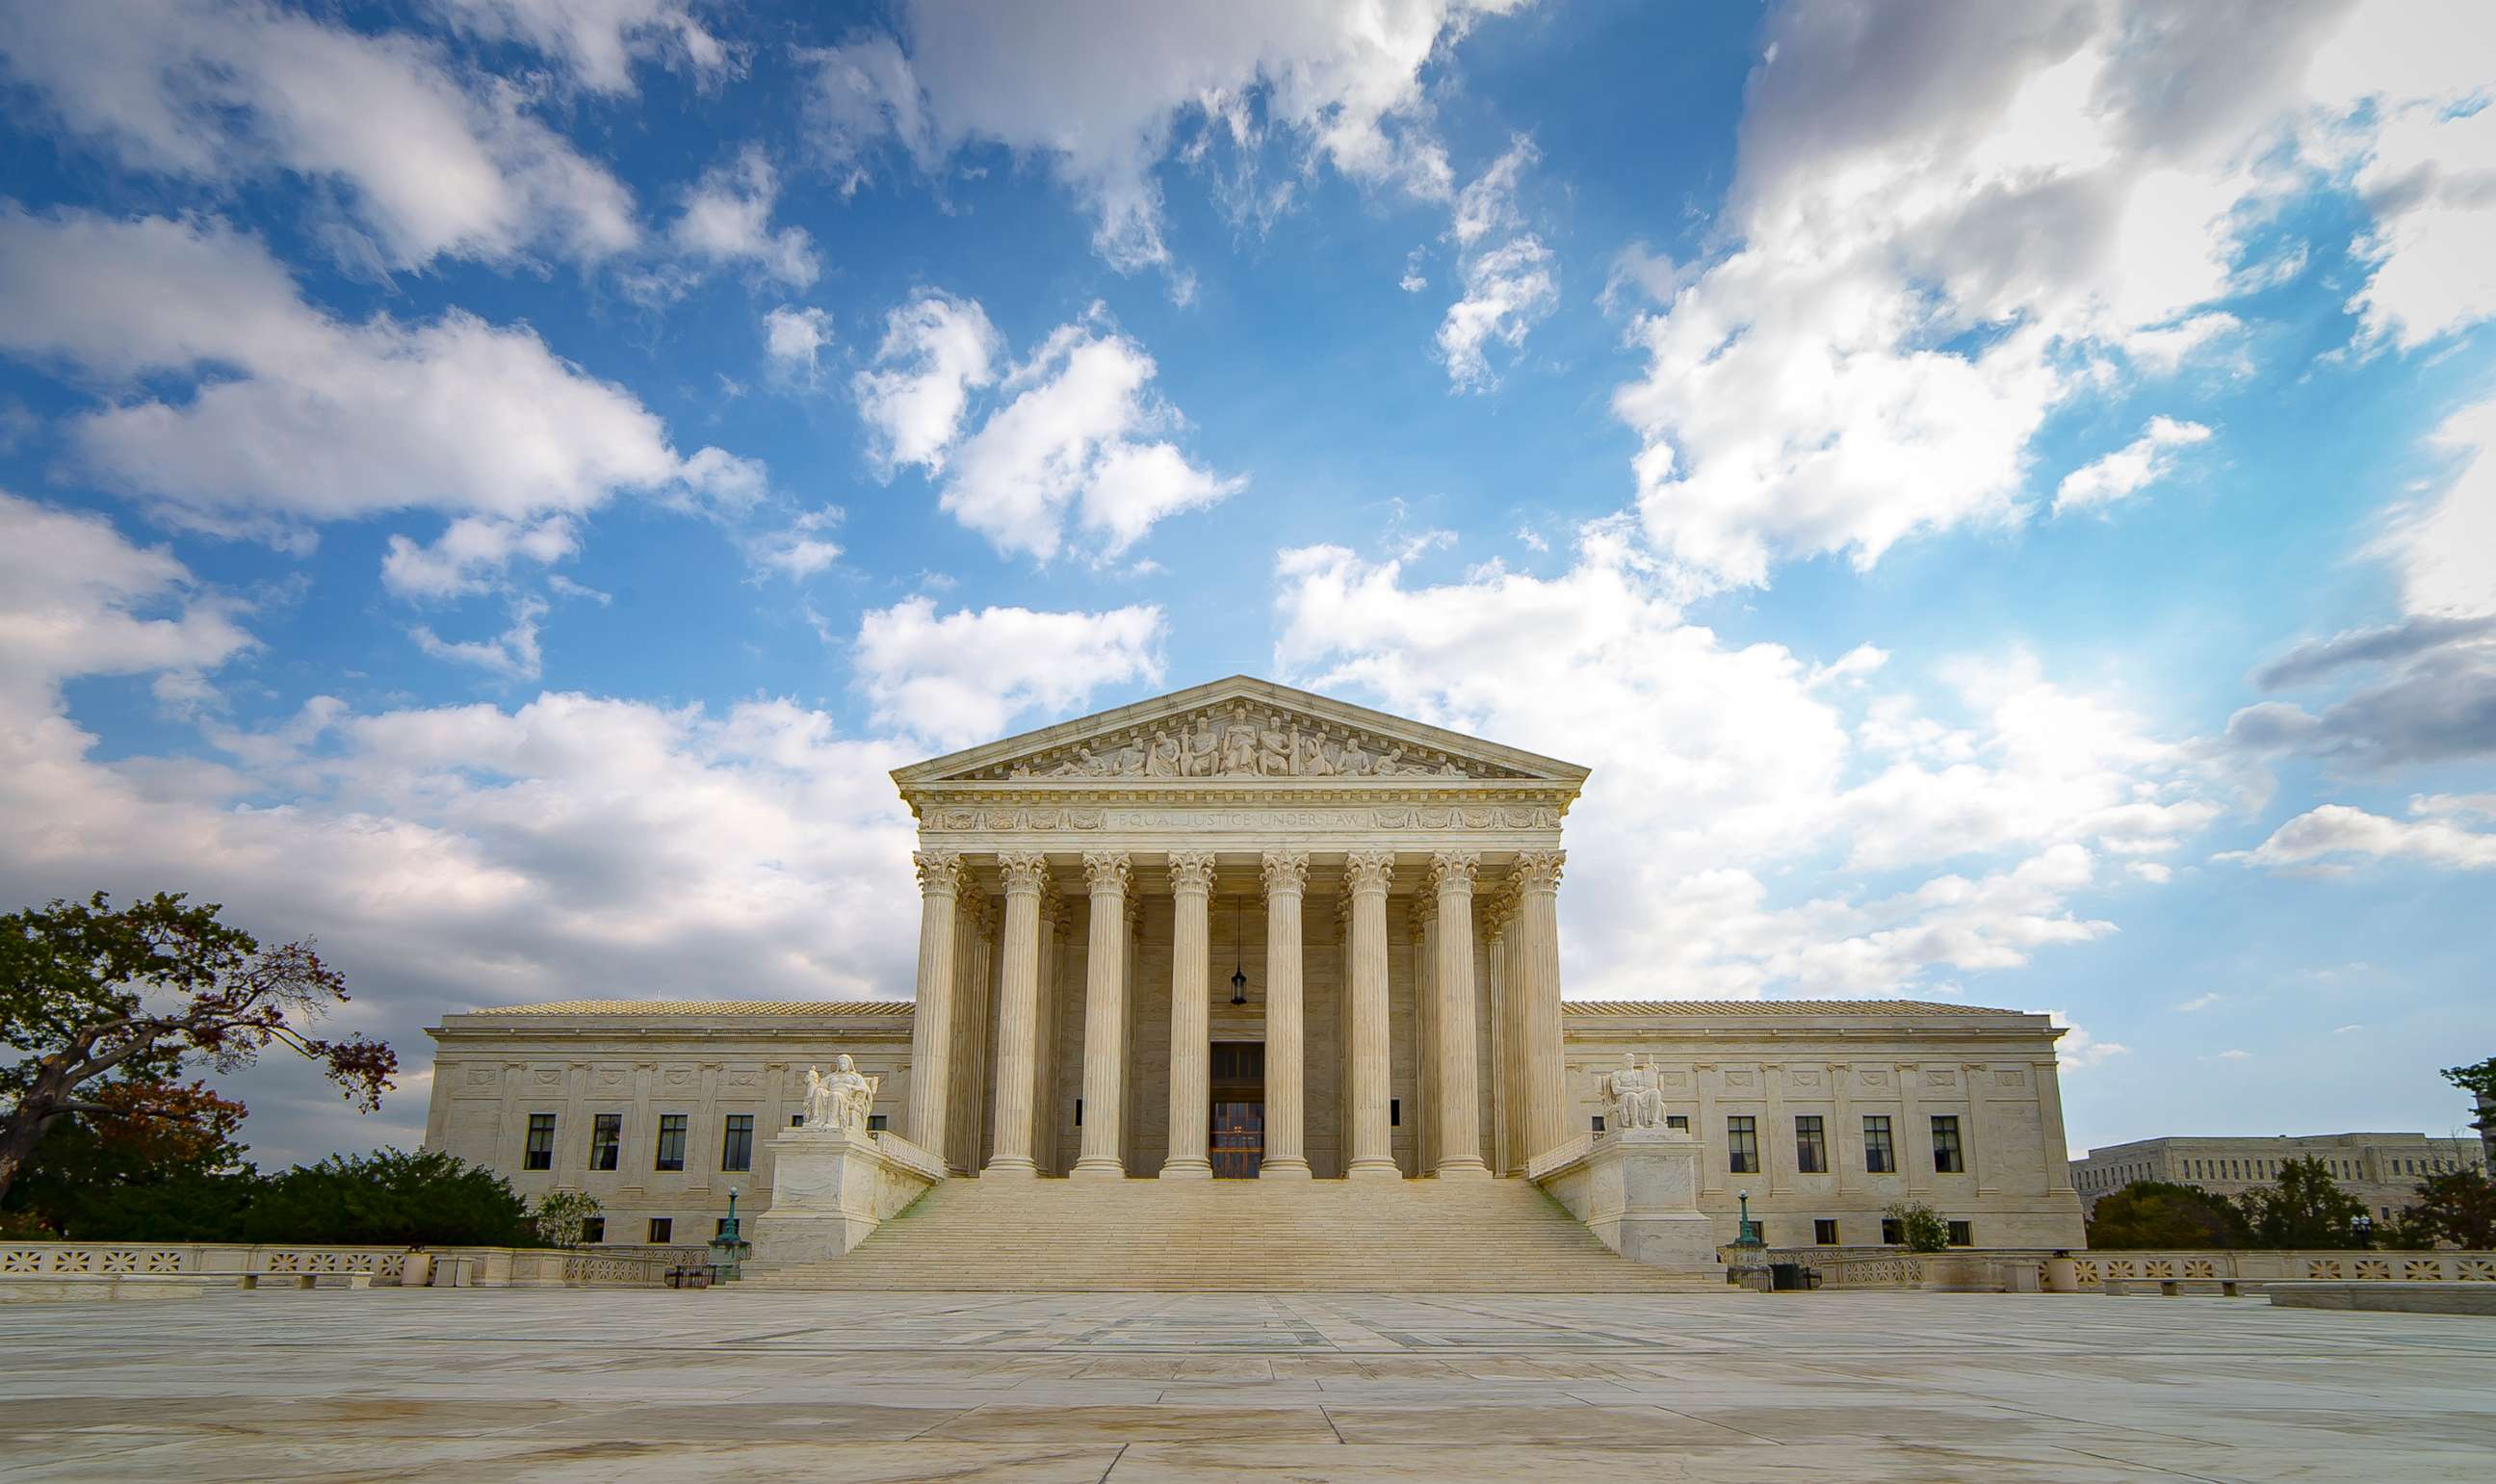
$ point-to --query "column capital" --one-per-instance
(1026, 872)
(1538, 871)
(1107, 872)
(1369, 872)
(1423, 911)
(1286, 872)
(1497, 910)
(1454, 871)
(939, 873)
(1191, 871)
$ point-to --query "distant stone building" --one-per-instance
(2381, 1169)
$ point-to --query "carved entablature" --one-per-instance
(1239, 740)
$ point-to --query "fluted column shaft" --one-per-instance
(1191, 1018)
(1287, 879)
(1422, 926)
(1018, 1056)
(931, 1026)
(1105, 1019)
(1537, 966)
(1451, 873)
(1373, 1155)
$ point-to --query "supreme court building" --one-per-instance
(1243, 931)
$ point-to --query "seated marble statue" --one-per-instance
(841, 1100)
(1637, 1101)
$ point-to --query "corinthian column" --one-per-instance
(1537, 972)
(1451, 875)
(1373, 1155)
(1026, 872)
(1286, 878)
(1191, 1058)
(931, 1024)
(1105, 1019)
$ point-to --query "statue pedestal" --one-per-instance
(1637, 1189)
(832, 1187)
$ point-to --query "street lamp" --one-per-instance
(2362, 1227)
(1240, 958)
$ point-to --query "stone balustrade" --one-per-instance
(54, 1269)
(1996, 1269)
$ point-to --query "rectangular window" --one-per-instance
(1962, 1234)
(541, 1151)
(1743, 1144)
(1599, 1122)
(1824, 1232)
(606, 1139)
(671, 1142)
(1946, 1156)
(875, 1123)
(1893, 1232)
(1078, 1113)
(1811, 1146)
(663, 1229)
(1878, 1157)
(736, 1143)
(1680, 1121)
(1396, 1112)
(796, 1121)
(593, 1229)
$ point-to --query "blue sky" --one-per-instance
(1996, 493)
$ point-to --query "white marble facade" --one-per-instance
(1390, 893)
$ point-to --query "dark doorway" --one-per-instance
(1239, 1141)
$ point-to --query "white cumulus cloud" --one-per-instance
(968, 675)
(2128, 469)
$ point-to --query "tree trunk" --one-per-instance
(24, 1128)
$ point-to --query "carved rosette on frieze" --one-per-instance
(1369, 872)
(1191, 871)
(1025, 871)
(1286, 872)
(939, 873)
(1538, 871)
(1453, 870)
(1106, 870)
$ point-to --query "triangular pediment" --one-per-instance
(1236, 730)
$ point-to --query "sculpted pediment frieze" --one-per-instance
(1241, 739)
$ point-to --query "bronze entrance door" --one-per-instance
(1239, 1141)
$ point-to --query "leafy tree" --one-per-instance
(2402, 1232)
(2154, 1213)
(2459, 1207)
(2477, 1079)
(164, 1165)
(90, 992)
(391, 1197)
(560, 1214)
(1926, 1230)
(2305, 1209)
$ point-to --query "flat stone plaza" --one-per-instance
(560, 1385)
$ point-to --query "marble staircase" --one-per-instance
(1498, 1236)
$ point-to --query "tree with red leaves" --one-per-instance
(92, 995)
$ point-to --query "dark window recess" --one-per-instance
(875, 1123)
(719, 1227)
(1879, 1158)
(1599, 1122)
(663, 1229)
(736, 1143)
(1680, 1121)
(671, 1142)
(1078, 1113)
(1893, 1232)
(1962, 1234)
(1743, 1144)
(1948, 1157)
(606, 1139)
(592, 1229)
(1396, 1112)
(796, 1121)
(540, 1150)
(1824, 1232)
(1811, 1145)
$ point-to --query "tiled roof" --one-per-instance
(724, 1007)
(1778, 1007)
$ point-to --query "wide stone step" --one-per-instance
(1500, 1235)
